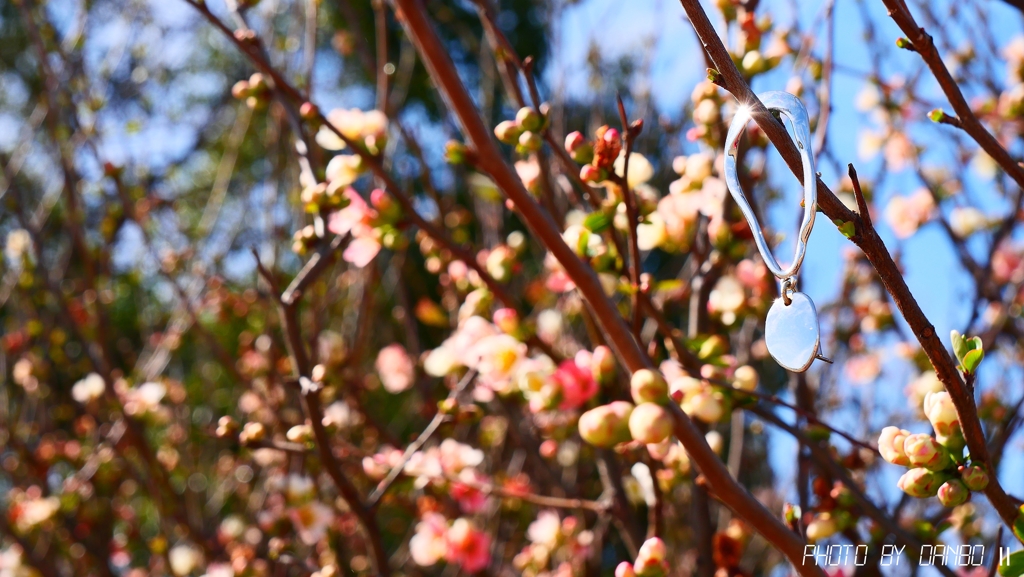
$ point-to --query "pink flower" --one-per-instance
(863, 369)
(1007, 264)
(546, 530)
(906, 214)
(428, 545)
(396, 369)
(456, 456)
(529, 172)
(471, 499)
(468, 546)
(577, 384)
(357, 219)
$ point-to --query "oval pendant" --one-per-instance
(791, 332)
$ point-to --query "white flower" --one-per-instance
(339, 414)
(183, 559)
(219, 570)
(965, 221)
(651, 234)
(298, 487)
(640, 169)
(18, 244)
(89, 388)
(312, 521)
(36, 511)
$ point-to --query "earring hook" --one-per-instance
(791, 108)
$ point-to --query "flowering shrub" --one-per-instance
(373, 288)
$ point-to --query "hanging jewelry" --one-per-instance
(791, 329)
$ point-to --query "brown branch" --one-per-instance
(302, 368)
(442, 70)
(874, 249)
(965, 117)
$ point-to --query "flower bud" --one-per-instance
(975, 477)
(240, 89)
(650, 561)
(753, 62)
(715, 346)
(579, 148)
(745, 378)
(300, 433)
(890, 445)
(529, 119)
(530, 141)
(716, 441)
(507, 131)
(309, 111)
(647, 386)
(257, 83)
(603, 364)
(650, 423)
(941, 413)
(507, 320)
(653, 549)
(924, 451)
(706, 406)
(953, 492)
(821, 527)
(227, 426)
(607, 425)
(591, 174)
(625, 569)
(660, 451)
(252, 432)
(920, 482)
(454, 152)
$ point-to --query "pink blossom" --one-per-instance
(428, 545)
(471, 499)
(468, 546)
(577, 384)
(396, 369)
(863, 369)
(546, 530)
(529, 172)
(1007, 264)
(456, 456)
(357, 219)
(905, 214)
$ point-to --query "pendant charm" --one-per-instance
(791, 330)
(792, 334)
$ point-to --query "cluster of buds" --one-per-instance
(707, 112)
(254, 91)
(304, 239)
(937, 466)
(710, 403)
(650, 423)
(323, 197)
(525, 131)
(597, 156)
(650, 561)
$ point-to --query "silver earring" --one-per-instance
(791, 329)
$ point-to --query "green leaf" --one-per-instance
(959, 345)
(668, 285)
(975, 344)
(846, 228)
(597, 222)
(972, 359)
(1014, 564)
